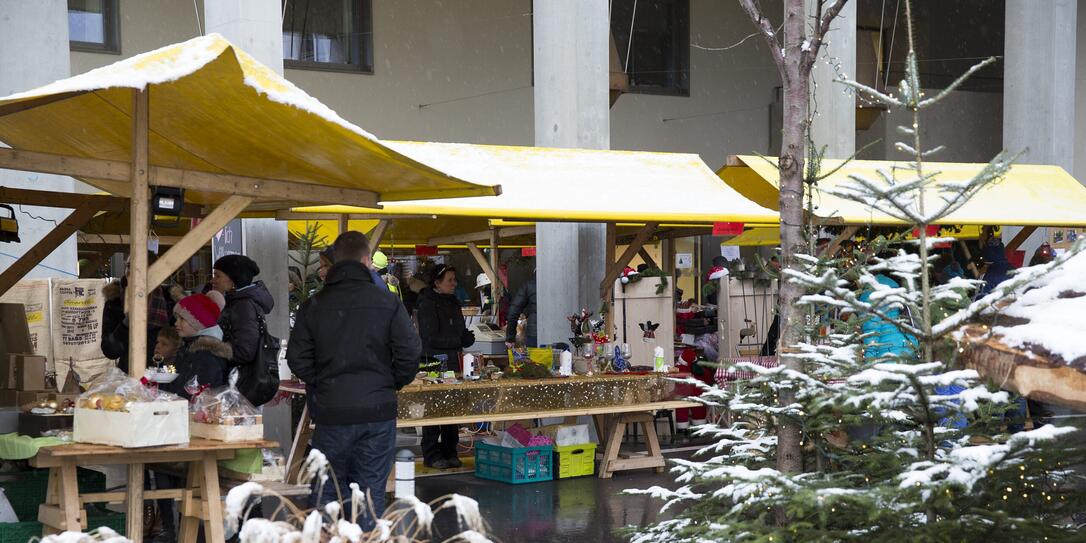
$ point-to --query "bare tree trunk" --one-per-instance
(794, 62)
(793, 139)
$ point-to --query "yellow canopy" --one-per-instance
(215, 109)
(576, 185)
(408, 231)
(771, 236)
(1029, 195)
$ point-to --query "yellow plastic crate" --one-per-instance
(540, 355)
(575, 460)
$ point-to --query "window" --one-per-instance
(93, 26)
(328, 35)
(656, 55)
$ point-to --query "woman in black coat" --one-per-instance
(246, 303)
(443, 332)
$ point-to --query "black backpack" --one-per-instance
(258, 381)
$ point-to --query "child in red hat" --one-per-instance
(202, 354)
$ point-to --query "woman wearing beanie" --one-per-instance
(202, 354)
(246, 302)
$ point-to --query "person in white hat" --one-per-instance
(482, 284)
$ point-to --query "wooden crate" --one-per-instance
(228, 431)
(146, 424)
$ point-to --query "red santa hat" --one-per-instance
(198, 310)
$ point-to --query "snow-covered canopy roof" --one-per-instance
(541, 184)
(213, 108)
(1029, 195)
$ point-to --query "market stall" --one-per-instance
(1030, 196)
(198, 123)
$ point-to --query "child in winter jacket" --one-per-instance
(202, 354)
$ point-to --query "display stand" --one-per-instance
(200, 498)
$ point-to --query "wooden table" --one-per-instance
(200, 498)
(613, 430)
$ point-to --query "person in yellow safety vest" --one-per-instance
(380, 264)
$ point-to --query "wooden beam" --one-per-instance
(480, 259)
(195, 239)
(46, 198)
(46, 245)
(343, 222)
(836, 242)
(1021, 237)
(378, 234)
(32, 161)
(90, 238)
(137, 249)
(969, 258)
(8, 109)
(482, 235)
(259, 188)
(615, 268)
(283, 215)
(647, 258)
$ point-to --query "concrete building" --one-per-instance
(478, 71)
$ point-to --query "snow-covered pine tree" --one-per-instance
(898, 444)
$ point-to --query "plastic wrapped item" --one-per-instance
(224, 414)
(116, 391)
(119, 410)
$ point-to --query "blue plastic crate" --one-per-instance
(514, 466)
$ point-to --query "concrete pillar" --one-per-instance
(834, 106)
(1080, 100)
(256, 27)
(571, 110)
(1039, 88)
(43, 23)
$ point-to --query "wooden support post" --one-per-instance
(343, 221)
(377, 234)
(140, 217)
(1021, 237)
(134, 498)
(46, 245)
(969, 258)
(610, 245)
(482, 261)
(496, 286)
(647, 258)
(195, 239)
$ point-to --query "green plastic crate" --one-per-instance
(514, 465)
(21, 532)
(575, 460)
(26, 489)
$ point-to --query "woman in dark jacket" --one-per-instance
(443, 332)
(246, 303)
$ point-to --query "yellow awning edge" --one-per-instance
(214, 108)
(1028, 195)
(544, 184)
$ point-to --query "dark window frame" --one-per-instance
(111, 17)
(681, 43)
(363, 19)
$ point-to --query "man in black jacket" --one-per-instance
(354, 346)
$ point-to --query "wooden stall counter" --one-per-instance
(200, 498)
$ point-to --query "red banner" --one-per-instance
(727, 228)
(527, 251)
(932, 231)
(425, 250)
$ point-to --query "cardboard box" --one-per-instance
(27, 372)
(22, 398)
(224, 432)
(14, 332)
(145, 424)
(31, 424)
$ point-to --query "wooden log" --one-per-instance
(195, 239)
(140, 219)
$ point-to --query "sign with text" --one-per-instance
(527, 251)
(727, 228)
(425, 250)
(228, 241)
